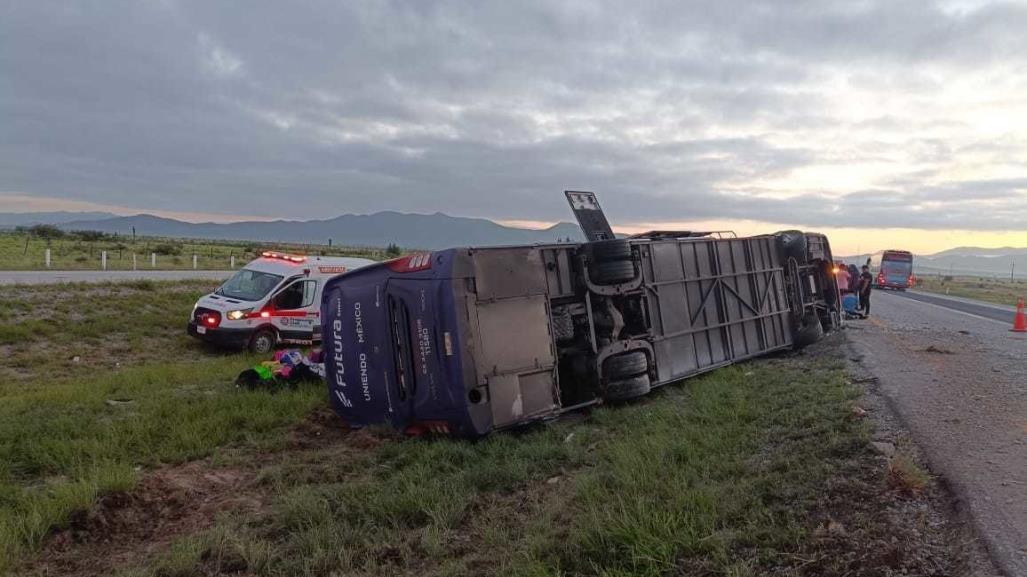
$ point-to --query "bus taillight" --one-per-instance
(411, 263)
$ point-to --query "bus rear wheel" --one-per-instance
(809, 332)
(629, 364)
(627, 389)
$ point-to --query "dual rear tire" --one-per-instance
(612, 262)
(627, 376)
(810, 331)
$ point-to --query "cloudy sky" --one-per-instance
(892, 122)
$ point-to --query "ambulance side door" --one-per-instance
(295, 310)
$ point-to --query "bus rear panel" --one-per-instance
(893, 269)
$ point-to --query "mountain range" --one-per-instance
(427, 231)
(433, 231)
(13, 219)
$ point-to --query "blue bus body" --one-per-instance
(893, 269)
(465, 341)
(392, 345)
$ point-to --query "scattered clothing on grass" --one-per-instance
(288, 369)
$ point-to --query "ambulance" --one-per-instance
(274, 299)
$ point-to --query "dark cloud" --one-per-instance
(673, 111)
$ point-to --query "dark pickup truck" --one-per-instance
(470, 340)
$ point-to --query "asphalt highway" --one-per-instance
(957, 377)
(987, 310)
(57, 277)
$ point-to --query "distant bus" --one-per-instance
(892, 269)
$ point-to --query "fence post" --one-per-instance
(194, 262)
(47, 258)
(103, 260)
(153, 260)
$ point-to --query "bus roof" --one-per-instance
(893, 254)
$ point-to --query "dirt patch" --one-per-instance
(322, 426)
(124, 528)
(867, 524)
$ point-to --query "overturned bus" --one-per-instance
(470, 340)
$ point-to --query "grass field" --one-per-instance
(142, 459)
(20, 251)
(101, 380)
(720, 476)
(93, 330)
(998, 291)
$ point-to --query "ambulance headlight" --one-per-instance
(236, 315)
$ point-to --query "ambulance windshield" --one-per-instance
(249, 285)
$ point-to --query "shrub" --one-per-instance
(168, 249)
(393, 250)
(46, 231)
(905, 476)
(141, 284)
(91, 235)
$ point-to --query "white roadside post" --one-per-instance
(231, 262)
(47, 258)
(134, 264)
(194, 262)
(153, 260)
(103, 260)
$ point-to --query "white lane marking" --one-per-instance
(958, 311)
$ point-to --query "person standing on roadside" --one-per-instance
(843, 278)
(866, 283)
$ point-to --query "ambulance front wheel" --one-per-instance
(263, 341)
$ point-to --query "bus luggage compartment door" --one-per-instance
(517, 358)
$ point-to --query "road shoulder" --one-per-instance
(951, 392)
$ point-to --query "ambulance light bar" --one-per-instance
(280, 256)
